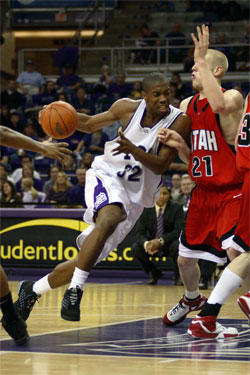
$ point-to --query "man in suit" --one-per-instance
(158, 231)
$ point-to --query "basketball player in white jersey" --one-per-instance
(119, 185)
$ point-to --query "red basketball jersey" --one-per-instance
(243, 152)
(213, 162)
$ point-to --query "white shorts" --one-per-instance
(101, 189)
(199, 254)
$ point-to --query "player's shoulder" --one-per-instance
(184, 103)
(233, 94)
(126, 104)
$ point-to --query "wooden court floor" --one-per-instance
(121, 333)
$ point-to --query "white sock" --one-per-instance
(42, 286)
(192, 295)
(227, 284)
(79, 278)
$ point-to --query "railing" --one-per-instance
(118, 58)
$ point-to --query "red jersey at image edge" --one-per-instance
(243, 150)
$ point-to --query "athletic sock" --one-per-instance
(7, 307)
(41, 286)
(210, 310)
(79, 278)
(191, 296)
(226, 285)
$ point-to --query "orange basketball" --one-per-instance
(59, 120)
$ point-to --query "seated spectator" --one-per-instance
(69, 167)
(63, 97)
(28, 171)
(87, 160)
(17, 174)
(176, 186)
(16, 121)
(243, 53)
(180, 92)
(30, 194)
(158, 230)
(137, 55)
(164, 6)
(187, 185)
(188, 60)
(66, 55)
(119, 88)
(149, 38)
(48, 96)
(10, 198)
(104, 102)
(157, 55)
(30, 81)
(54, 169)
(105, 78)
(68, 81)
(58, 194)
(136, 92)
(4, 175)
(176, 38)
(81, 102)
(226, 49)
(94, 142)
(5, 115)
(11, 97)
(76, 196)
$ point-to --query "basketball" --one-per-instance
(59, 120)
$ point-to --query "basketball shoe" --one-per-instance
(206, 327)
(71, 304)
(244, 303)
(180, 311)
(17, 329)
(26, 299)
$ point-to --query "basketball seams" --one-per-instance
(51, 129)
(58, 113)
(73, 113)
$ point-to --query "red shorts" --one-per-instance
(211, 220)
(241, 239)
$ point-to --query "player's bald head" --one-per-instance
(217, 59)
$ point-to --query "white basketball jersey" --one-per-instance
(141, 184)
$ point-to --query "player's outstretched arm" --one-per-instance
(118, 111)
(172, 139)
(12, 138)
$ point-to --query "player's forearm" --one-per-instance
(211, 87)
(184, 152)
(17, 140)
(155, 163)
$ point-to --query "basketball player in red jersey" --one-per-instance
(215, 202)
(205, 325)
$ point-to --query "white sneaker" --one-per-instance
(179, 312)
(206, 327)
(244, 303)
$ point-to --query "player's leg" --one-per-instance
(106, 222)
(205, 325)
(11, 321)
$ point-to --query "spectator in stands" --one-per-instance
(136, 92)
(187, 185)
(226, 49)
(4, 175)
(48, 96)
(180, 92)
(76, 196)
(30, 81)
(54, 169)
(105, 79)
(81, 102)
(94, 142)
(10, 198)
(28, 171)
(157, 55)
(69, 168)
(63, 96)
(137, 55)
(164, 6)
(25, 160)
(11, 97)
(176, 38)
(149, 38)
(158, 231)
(87, 160)
(15, 121)
(176, 186)
(58, 194)
(188, 60)
(30, 194)
(242, 53)
(5, 115)
(120, 88)
(68, 81)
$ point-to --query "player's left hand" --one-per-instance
(55, 150)
(125, 146)
(201, 43)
